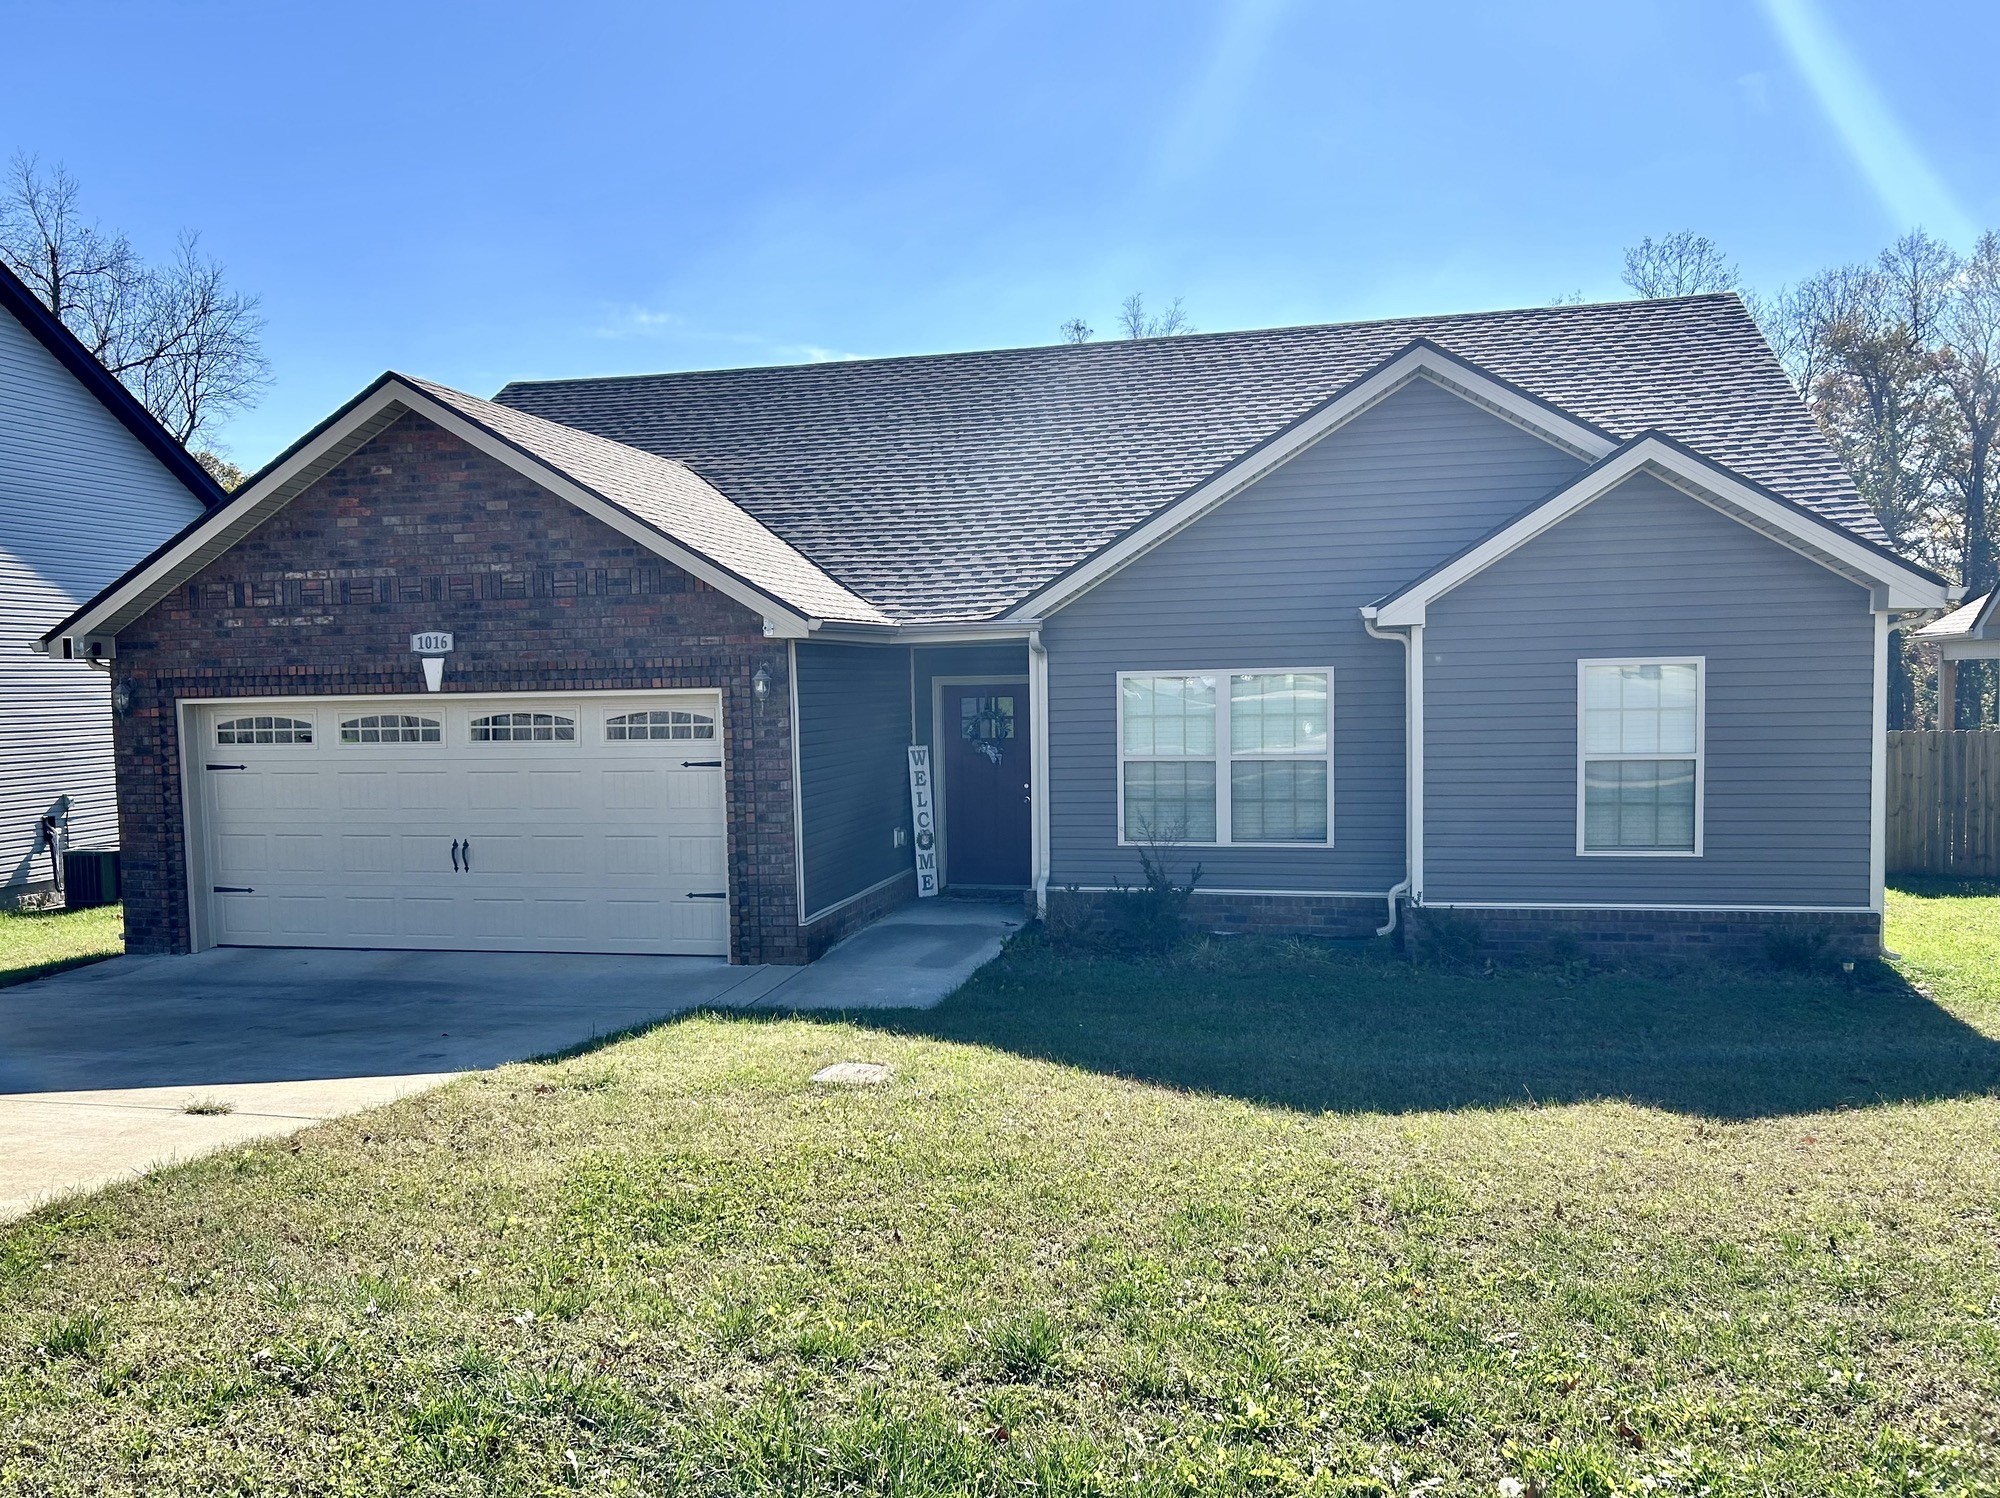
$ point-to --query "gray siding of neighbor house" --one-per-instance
(854, 788)
(1276, 578)
(81, 499)
(1647, 571)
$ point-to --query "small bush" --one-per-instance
(1069, 922)
(1796, 949)
(1449, 936)
(1151, 916)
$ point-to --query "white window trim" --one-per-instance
(1224, 755)
(1700, 664)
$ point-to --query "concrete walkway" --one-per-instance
(99, 1066)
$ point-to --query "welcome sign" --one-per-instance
(923, 819)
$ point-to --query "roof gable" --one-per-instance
(953, 487)
(47, 329)
(657, 503)
(1897, 584)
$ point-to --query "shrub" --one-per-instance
(1151, 916)
(1796, 949)
(1449, 936)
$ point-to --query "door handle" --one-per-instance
(466, 854)
(454, 855)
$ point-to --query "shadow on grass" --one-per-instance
(1292, 1026)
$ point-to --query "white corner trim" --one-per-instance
(1464, 380)
(1878, 774)
(798, 789)
(228, 523)
(1038, 770)
(1819, 541)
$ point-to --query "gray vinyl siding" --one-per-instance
(80, 501)
(1647, 571)
(854, 789)
(1276, 578)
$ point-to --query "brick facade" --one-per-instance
(1630, 935)
(858, 912)
(416, 530)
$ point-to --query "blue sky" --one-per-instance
(484, 192)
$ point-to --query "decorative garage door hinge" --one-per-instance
(701, 764)
(234, 889)
(717, 894)
(225, 767)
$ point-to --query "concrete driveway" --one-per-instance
(101, 1066)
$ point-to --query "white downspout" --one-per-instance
(1412, 882)
(1038, 769)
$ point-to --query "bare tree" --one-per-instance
(1076, 330)
(1134, 321)
(185, 344)
(1970, 374)
(1679, 264)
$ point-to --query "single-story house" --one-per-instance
(1564, 621)
(89, 484)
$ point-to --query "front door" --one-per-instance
(987, 789)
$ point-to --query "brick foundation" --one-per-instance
(843, 922)
(414, 531)
(1634, 935)
(1340, 919)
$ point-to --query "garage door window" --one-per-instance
(520, 728)
(662, 724)
(264, 729)
(391, 728)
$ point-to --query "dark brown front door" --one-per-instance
(983, 731)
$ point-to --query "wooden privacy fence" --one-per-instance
(1944, 802)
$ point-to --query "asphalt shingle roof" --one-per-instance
(950, 487)
(670, 498)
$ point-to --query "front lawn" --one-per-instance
(1253, 1220)
(34, 943)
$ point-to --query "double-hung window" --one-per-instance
(1639, 757)
(1226, 757)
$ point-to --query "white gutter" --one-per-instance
(1038, 768)
(1411, 885)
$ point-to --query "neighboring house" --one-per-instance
(1970, 632)
(89, 483)
(1565, 618)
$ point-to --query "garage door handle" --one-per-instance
(691, 764)
(234, 889)
(466, 853)
(719, 894)
(454, 855)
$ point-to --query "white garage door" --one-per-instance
(511, 824)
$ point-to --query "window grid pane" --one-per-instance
(263, 729)
(661, 723)
(391, 728)
(1641, 709)
(1170, 801)
(1280, 712)
(1277, 801)
(1639, 803)
(523, 728)
(1169, 715)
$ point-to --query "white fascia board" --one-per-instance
(227, 524)
(1968, 650)
(926, 634)
(1822, 542)
(1423, 361)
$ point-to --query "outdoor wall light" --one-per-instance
(761, 683)
(121, 698)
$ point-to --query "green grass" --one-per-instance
(34, 943)
(1253, 1219)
